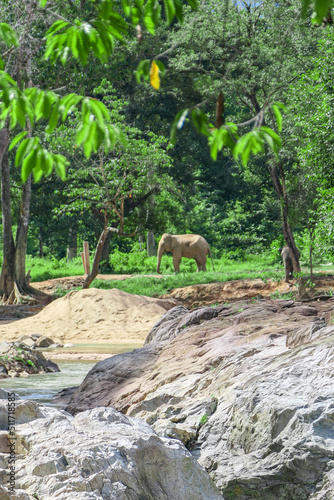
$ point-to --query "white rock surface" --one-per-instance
(103, 454)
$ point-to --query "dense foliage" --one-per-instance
(239, 89)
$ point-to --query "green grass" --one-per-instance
(42, 269)
(265, 266)
(154, 287)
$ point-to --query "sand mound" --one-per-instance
(93, 315)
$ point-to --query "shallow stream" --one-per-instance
(42, 388)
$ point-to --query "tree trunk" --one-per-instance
(40, 241)
(106, 252)
(287, 231)
(95, 267)
(7, 277)
(22, 236)
(150, 244)
(72, 246)
(141, 240)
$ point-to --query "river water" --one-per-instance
(42, 388)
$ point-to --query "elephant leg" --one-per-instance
(201, 264)
(176, 261)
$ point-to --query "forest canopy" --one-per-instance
(210, 117)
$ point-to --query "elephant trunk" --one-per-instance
(161, 251)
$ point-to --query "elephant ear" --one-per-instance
(173, 243)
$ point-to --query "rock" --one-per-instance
(256, 413)
(101, 453)
(44, 342)
(310, 333)
(19, 360)
(23, 410)
(68, 345)
(27, 341)
(36, 336)
(62, 398)
(3, 370)
(23, 337)
(3, 494)
(55, 346)
(165, 324)
(126, 370)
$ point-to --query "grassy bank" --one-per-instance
(265, 266)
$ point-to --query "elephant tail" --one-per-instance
(213, 267)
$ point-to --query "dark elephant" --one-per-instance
(287, 261)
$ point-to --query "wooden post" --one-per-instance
(86, 257)
(83, 260)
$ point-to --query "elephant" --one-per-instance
(191, 246)
(287, 261)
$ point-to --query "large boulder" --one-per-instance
(103, 454)
(246, 387)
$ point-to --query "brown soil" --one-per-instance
(50, 286)
(110, 316)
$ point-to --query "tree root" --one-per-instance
(26, 295)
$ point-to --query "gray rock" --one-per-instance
(23, 411)
(36, 336)
(28, 342)
(166, 325)
(102, 454)
(3, 494)
(44, 342)
(256, 413)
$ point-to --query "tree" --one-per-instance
(115, 185)
(24, 104)
(241, 62)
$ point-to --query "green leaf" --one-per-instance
(24, 148)
(170, 10)
(53, 121)
(273, 134)
(322, 8)
(99, 110)
(161, 66)
(88, 144)
(8, 35)
(279, 118)
(60, 170)
(126, 7)
(143, 70)
(17, 139)
(200, 121)
(28, 164)
(57, 26)
(178, 10)
(82, 133)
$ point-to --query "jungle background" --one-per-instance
(228, 59)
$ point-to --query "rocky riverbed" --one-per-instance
(247, 388)
(232, 401)
(19, 360)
